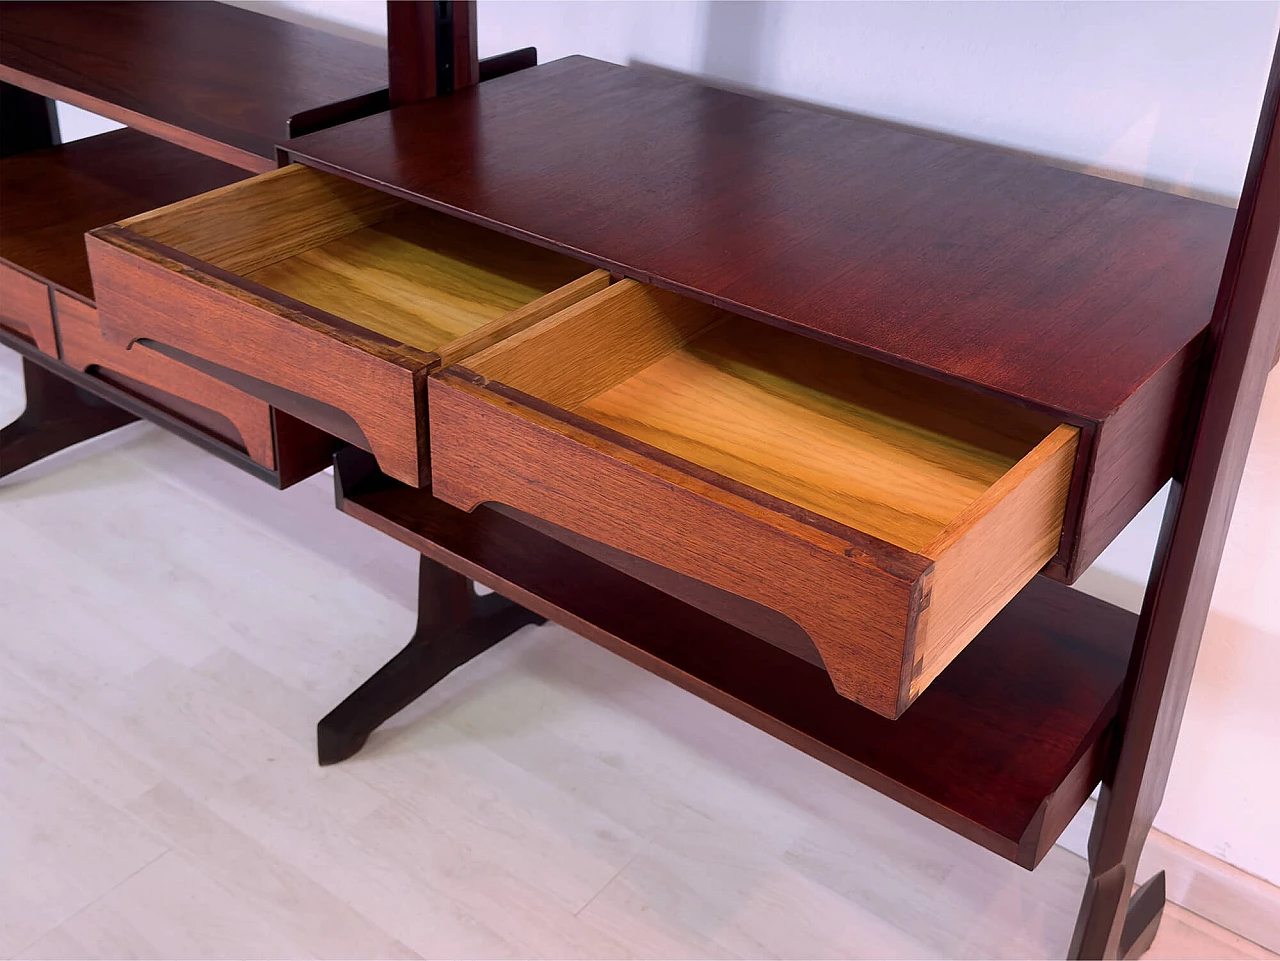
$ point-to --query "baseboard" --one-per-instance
(1204, 885)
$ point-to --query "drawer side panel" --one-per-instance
(998, 547)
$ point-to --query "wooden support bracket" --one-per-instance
(454, 625)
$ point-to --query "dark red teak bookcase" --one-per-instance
(624, 302)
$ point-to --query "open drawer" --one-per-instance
(888, 515)
(325, 298)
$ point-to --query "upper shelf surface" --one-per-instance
(51, 197)
(1057, 288)
(209, 76)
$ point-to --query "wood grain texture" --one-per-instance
(845, 448)
(891, 454)
(555, 302)
(250, 225)
(419, 277)
(589, 348)
(216, 79)
(332, 299)
(238, 419)
(746, 615)
(130, 406)
(53, 196)
(856, 602)
(920, 250)
(25, 308)
(432, 48)
(411, 51)
(1006, 737)
(1136, 452)
(1063, 290)
(993, 547)
(142, 294)
(748, 474)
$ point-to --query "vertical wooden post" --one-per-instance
(28, 121)
(432, 48)
(1242, 343)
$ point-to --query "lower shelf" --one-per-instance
(1003, 748)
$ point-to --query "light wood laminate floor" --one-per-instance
(171, 630)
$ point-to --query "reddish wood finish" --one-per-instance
(854, 597)
(301, 449)
(1242, 340)
(53, 196)
(1064, 291)
(344, 111)
(860, 599)
(418, 68)
(1135, 455)
(25, 308)
(411, 50)
(350, 382)
(1026, 280)
(1003, 748)
(230, 415)
(217, 79)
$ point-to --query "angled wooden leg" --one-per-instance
(454, 625)
(1113, 922)
(1175, 610)
(58, 415)
(1142, 920)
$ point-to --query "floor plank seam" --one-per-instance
(85, 907)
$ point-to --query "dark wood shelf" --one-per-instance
(1060, 290)
(52, 196)
(220, 80)
(1003, 748)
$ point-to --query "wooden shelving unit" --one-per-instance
(210, 77)
(1003, 749)
(1122, 320)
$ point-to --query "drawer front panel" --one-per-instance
(24, 309)
(275, 353)
(856, 607)
(889, 516)
(222, 411)
(325, 298)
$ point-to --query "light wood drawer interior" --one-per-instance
(312, 257)
(876, 464)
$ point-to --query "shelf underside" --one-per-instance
(1003, 748)
(53, 196)
(1060, 289)
(222, 80)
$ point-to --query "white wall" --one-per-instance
(1160, 93)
